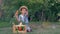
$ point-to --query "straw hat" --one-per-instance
(23, 7)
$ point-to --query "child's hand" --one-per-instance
(16, 13)
(26, 13)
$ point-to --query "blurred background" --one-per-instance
(40, 11)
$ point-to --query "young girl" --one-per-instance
(23, 17)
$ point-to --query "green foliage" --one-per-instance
(46, 9)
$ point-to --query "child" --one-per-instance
(23, 17)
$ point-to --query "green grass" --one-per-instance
(4, 24)
(37, 29)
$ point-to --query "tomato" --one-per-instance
(19, 28)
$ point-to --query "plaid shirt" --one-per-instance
(23, 18)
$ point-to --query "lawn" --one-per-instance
(5, 28)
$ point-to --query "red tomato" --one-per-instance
(19, 28)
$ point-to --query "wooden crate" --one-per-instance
(15, 27)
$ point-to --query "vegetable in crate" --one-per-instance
(23, 28)
(19, 28)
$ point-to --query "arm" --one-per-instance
(26, 13)
(16, 15)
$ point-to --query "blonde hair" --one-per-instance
(23, 7)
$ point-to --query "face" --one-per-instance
(23, 11)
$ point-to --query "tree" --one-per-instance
(45, 9)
